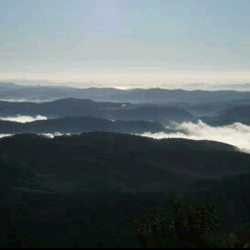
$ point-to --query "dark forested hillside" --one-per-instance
(62, 189)
(81, 124)
(121, 161)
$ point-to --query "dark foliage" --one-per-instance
(79, 125)
(91, 184)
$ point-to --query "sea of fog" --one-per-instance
(23, 118)
(235, 134)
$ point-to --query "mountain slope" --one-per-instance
(239, 113)
(121, 162)
(161, 114)
(86, 107)
(91, 184)
(230, 115)
(80, 125)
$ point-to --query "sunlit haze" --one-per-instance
(125, 43)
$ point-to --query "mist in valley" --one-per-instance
(235, 134)
(24, 118)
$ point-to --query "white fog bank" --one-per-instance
(23, 118)
(5, 135)
(48, 135)
(236, 134)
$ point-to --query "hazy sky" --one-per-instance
(125, 42)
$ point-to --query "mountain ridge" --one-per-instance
(87, 107)
(158, 95)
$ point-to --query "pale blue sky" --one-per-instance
(125, 42)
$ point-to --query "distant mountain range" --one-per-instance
(214, 113)
(160, 105)
(106, 110)
(154, 95)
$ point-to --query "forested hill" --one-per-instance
(96, 181)
(86, 107)
(119, 161)
(81, 124)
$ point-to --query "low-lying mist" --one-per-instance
(236, 134)
(48, 135)
(23, 118)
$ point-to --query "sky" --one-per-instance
(125, 43)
